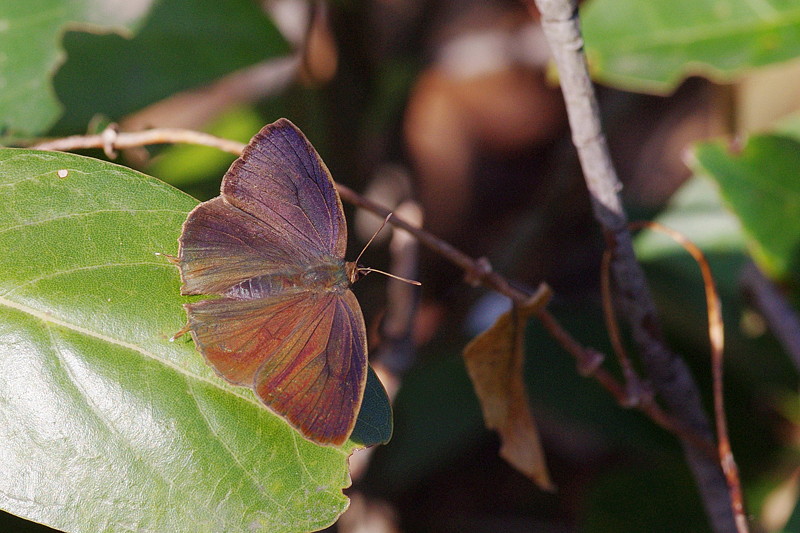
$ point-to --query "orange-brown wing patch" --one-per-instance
(304, 354)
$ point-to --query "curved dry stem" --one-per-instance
(634, 388)
(716, 335)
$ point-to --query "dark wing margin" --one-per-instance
(304, 354)
(281, 179)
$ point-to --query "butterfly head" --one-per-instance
(355, 272)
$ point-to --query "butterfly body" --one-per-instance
(285, 322)
(325, 277)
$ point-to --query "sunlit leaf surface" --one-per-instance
(104, 423)
(651, 46)
(760, 184)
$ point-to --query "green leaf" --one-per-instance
(30, 35)
(182, 164)
(183, 45)
(760, 184)
(651, 46)
(104, 423)
(697, 212)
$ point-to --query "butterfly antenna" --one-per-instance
(373, 237)
(367, 270)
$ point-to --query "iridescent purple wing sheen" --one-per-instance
(273, 246)
(281, 180)
(221, 246)
(278, 212)
(303, 353)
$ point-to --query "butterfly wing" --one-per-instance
(303, 353)
(278, 211)
(221, 246)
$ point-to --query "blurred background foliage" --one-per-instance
(454, 103)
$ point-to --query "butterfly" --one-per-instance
(285, 321)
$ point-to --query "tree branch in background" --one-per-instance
(778, 314)
(477, 271)
(668, 373)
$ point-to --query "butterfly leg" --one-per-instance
(171, 258)
(180, 333)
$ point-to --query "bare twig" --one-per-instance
(140, 138)
(631, 378)
(668, 372)
(778, 314)
(480, 272)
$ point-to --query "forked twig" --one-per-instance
(668, 373)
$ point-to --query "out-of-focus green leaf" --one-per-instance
(761, 184)
(789, 126)
(183, 45)
(651, 46)
(696, 211)
(185, 164)
(30, 40)
(104, 423)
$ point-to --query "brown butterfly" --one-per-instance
(286, 323)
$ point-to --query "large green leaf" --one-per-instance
(30, 35)
(761, 184)
(104, 423)
(182, 45)
(650, 46)
(697, 212)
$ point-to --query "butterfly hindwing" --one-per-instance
(319, 388)
(304, 354)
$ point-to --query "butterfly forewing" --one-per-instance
(281, 180)
(272, 246)
(222, 246)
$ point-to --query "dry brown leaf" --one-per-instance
(494, 361)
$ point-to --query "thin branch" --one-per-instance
(477, 271)
(139, 138)
(778, 314)
(668, 373)
(632, 381)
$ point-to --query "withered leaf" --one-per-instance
(495, 361)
